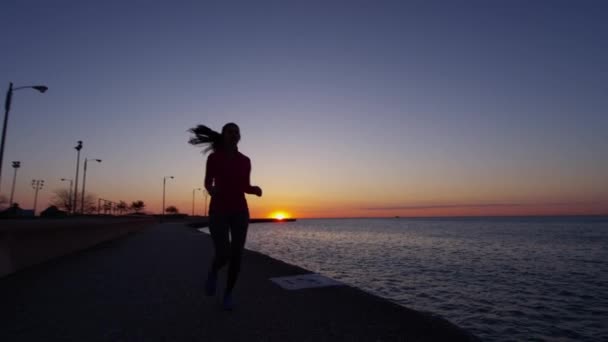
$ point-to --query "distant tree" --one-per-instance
(61, 199)
(90, 203)
(137, 206)
(172, 210)
(107, 208)
(90, 208)
(121, 207)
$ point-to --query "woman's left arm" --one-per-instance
(249, 189)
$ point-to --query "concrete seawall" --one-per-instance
(25, 243)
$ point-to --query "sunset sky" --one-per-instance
(346, 108)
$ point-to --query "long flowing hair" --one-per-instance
(205, 136)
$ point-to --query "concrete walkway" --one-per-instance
(148, 287)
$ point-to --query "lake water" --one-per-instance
(503, 279)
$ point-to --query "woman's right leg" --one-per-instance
(218, 227)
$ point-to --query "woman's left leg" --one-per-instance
(239, 224)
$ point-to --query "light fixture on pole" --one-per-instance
(193, 191)
(7, 109)
(84, 182)
(37, 184)
(69, 202)
(16, 165)
(164, 186)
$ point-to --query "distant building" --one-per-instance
(53, 211)
(15, 211)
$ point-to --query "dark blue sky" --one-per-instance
(374, 103)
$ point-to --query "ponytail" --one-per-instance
(204, 135)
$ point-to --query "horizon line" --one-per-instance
(458, 216)
(480, 205)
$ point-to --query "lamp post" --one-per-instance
(16, 165)
(69, 192)
(78, 148)
(7, 109)
(164, 186)
(37, 184)
(193, 191)
(206, 193)
(84, 182)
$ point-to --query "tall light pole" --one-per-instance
(206, 193)
(194, 190)
(84, 182)
(78, 148)
(37, 184)
(164, 186)
(16, 165)
(7, 109)
(69, 192)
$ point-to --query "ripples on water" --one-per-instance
(502, 279)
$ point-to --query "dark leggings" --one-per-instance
(228, 250)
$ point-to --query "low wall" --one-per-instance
(26, 242)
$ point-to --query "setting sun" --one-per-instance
(279, 215)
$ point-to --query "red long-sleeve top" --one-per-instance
(229, 174)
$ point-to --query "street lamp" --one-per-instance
(37, 184)
(69, 191)
(16, 165)
(78, 148)
(164, 186)
(7, 108)
(206, 193)
(194, 190)
(84, 182)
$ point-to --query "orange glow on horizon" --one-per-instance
(345, 211)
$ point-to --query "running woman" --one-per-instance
(227, 181)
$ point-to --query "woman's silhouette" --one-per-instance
(227, 181)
